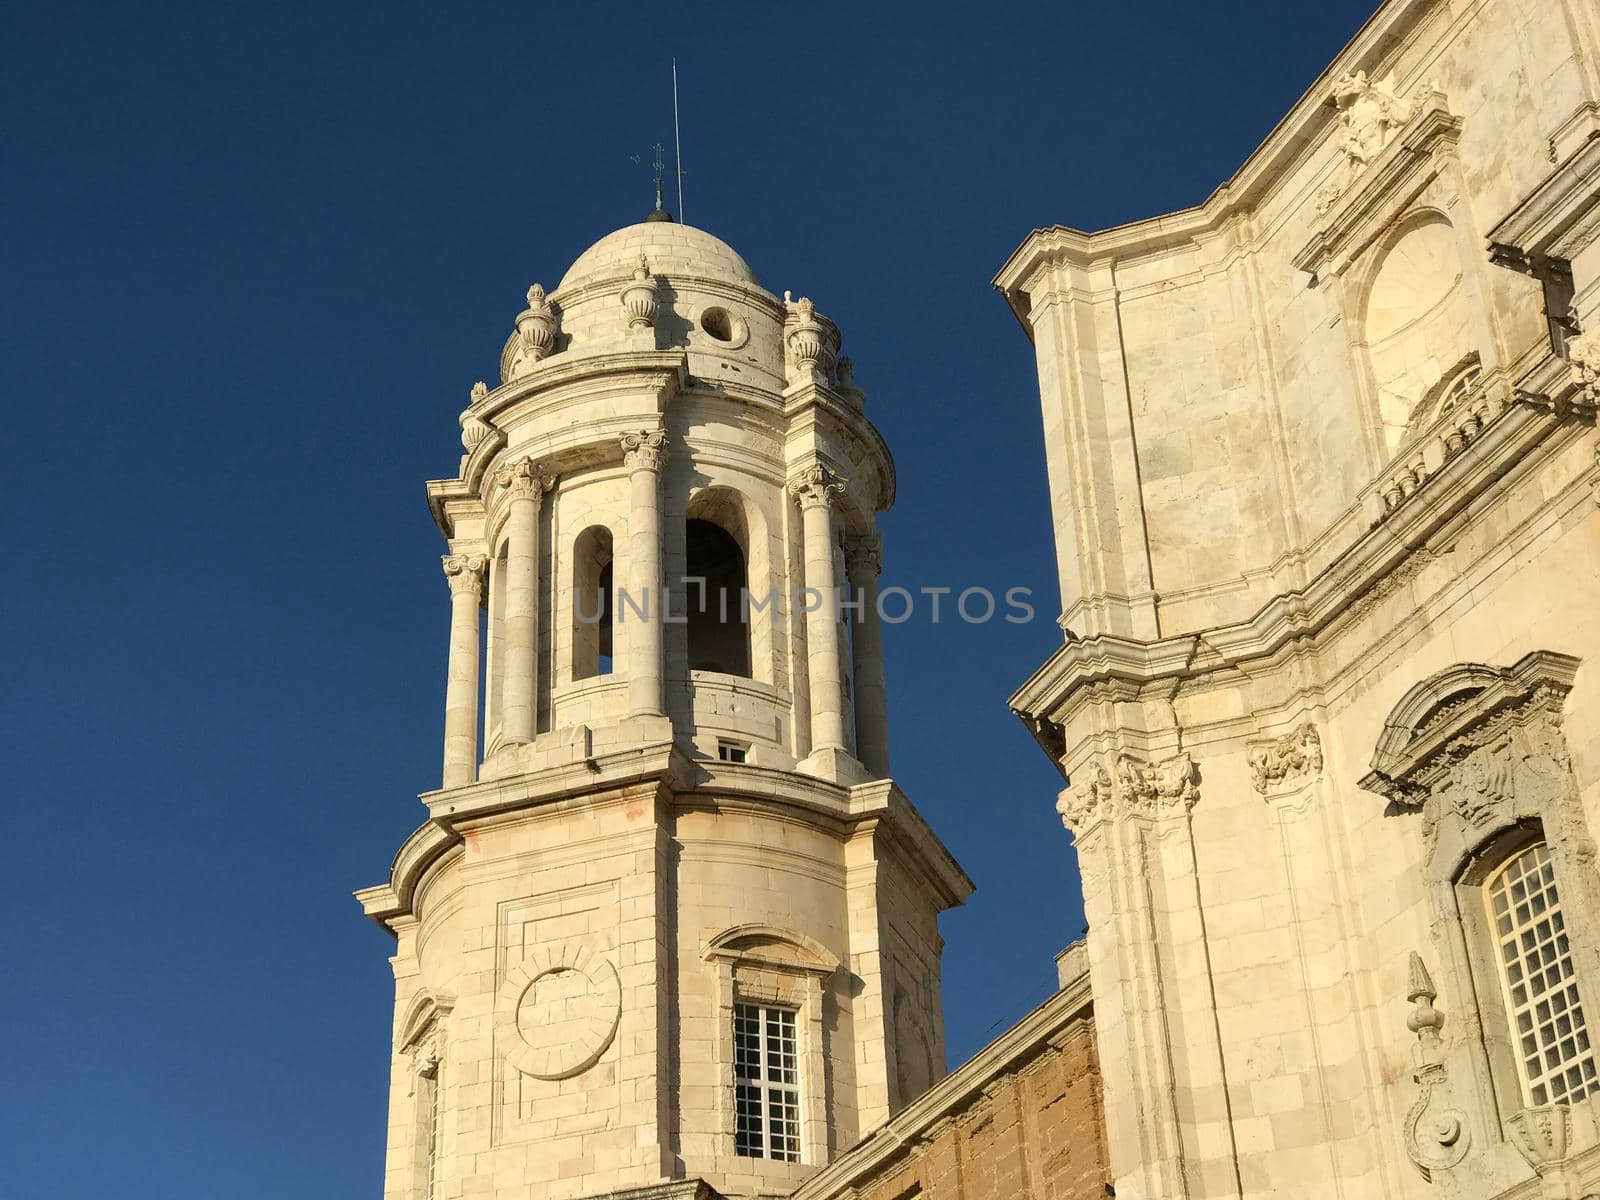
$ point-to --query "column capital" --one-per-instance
(524, 479)
(644, 450)
(464, 572)
(863, 556)
(817, 485)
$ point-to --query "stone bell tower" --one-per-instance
(674, 921)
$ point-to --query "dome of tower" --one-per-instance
(671, 249)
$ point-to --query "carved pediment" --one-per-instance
(1477, 749)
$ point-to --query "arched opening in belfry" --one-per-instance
(592, 603)
(715, 579)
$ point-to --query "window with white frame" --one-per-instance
(1536, 972)
(766, 1079)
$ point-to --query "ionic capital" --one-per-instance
(464, 573)
(863, 556)
(817, 485)
(643, 451)
(524, 480)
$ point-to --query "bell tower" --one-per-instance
(668, 917)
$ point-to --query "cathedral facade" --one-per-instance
(1324, 480)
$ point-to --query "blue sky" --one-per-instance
(254, 256)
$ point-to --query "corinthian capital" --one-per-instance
(1131, 788)
(464, 573)
(643, 450)
(817, 485)
(524, 479)
(863, 556)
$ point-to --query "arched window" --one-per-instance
(714, 582)
(592, 603)
(1535, 964)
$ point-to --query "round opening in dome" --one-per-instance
(722, 325)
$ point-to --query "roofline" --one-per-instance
(1297, 133)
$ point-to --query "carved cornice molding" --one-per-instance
(644, 450)
(1129, 788)
(1294, 758)
(1518, 440)
(816, 486)
(464, 573)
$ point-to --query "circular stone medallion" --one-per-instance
(557, 1012)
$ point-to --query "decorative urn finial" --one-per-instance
(810, 353)
(639, 297)
(474, 428)
(536, 328)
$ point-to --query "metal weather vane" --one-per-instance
(660, 166)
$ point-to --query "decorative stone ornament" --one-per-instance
(847, 382)
(536, 333)
(474, 429)
(1370, 111)
(1540, 1135)
(1583, 358)
(643, 449)
(464, 572)
(639, 298)
(1132, 788)
(1435, 1136)
(524, 479)
(810, 351)
(1290, 759)
(817, 484)
(557, 1012)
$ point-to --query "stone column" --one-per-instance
(524, 483)
(863, 561)
(645, 599)
(464, 573)
(818, 490)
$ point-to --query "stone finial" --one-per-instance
(1583, 360)
(817, 484)
(643, 450)
(473, 430)
(464, 572)
(846, 370)
(639, 297)
(810, 349)
(536, 332)
(1424, 1019)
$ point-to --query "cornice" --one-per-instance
(1065, 680)
(809, 398)
(829, 807)
(1558, 217)
(1301, 131)
(1039, 1033)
